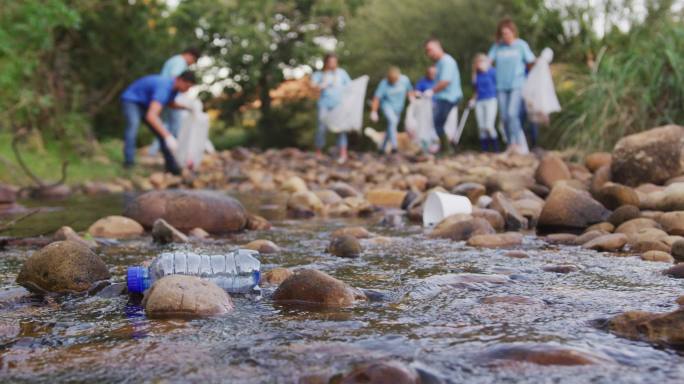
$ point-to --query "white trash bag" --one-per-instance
(538, 92)
(348, 115)
(420, 126)
(193, 138)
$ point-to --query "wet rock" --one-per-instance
(112, 290)
(509, 181)
(55, 192)
(561, 238)
(678, 251)
(603, 226)
(68, 234)
(484, 202)
(540, 190)
(417, 183)
(386, 198)
(613, 195)
(345, 246)
(635, 225)
(275, 276)
(185, 210)
(304, 204)
(262, 246)
(328, 197)
(647, 157)
(657, 256)
(294, 184)
(461, 227)
(543, 354)
(493, 217)
(662, 329)
(676, 271)
(382, 372)
(511, 299)
(623, 214)
(344, 190)
(164, 233)
(607, 243)
(569, 207)
(308, 286)
(116, 227)
(589, 236)
(257, 223)
(62, 267)
(198, 233)
(670, 199)
(672, 222)
(642, 246)
(514, 220)
(473, 191)
(551, 169)
(597, 160)
(600, 178)
(182, 296)
(561, 268)
(530, 209)
(358, 232)
(516, 254)
(393, 219)
(499, 240)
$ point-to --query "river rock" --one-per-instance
(116, 227)
(607, 243)
(551, 169)
(542, 354)
(623, 214)
(561, 268)
(678, 251)
(597, 160)
(68, 234)
(182, 296)
(511, 299)
(198, 233)
(304, 204)
(345, 246)
(656, 328)
(262, 246)
(358, 232)
(344, 190)
(382, 372)
(600, 178)
(473, 191)
(212, 211)
(294, 184)
(275, 276)
(308, 286)
(513, 219)
(647, 157)
(62, 267)
(569, 207)
(8, 193)
(492, 216)
(672, 222)
(164, 233)
(602, 226)
(561, 238)
(530, 209)
(257, 223)
(461, 227)
(589, 236)
(633, 226)
(676, 271)
(328, 197)
(386, 198)
(499, 240)
(613, 195)
(657, 256)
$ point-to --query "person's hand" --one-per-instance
(428, 93)
(374, 116)
(171, 143)
(471, 103)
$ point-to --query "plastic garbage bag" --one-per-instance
(451, 125)
(419, 124)
(348, 116)
(193, 138)
(539, 92)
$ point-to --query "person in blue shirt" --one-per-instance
(144, 100)
(484, 82)
(447, 91)
(511, 56)
(390, 96)
(427, 81)
(173, 67)
(330, 82)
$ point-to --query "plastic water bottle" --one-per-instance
(235, 272)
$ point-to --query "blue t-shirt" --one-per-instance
(485, 84)
(447, 70)
(174, 66)
(394, 95)
(510, 62)
(424, 84)
(332, 83)
(150, 88)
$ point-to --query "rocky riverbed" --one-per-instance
(564, 272)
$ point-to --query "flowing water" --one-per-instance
(423, 313)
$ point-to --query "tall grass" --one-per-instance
(637, 83)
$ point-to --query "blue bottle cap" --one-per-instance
(136, 279)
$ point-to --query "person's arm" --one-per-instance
(375, 105)
(528, 56)
(440, 86)
(154, 120)
(175, 105)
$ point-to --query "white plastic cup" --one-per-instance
(440, 205)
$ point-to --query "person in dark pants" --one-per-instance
(144, 100)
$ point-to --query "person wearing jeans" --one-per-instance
(511, 56)
(447, 91)
(144, 100)
(390, 96)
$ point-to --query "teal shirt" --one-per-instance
(174, 66)
(394, 95)
(510, 62)
(332, 84)
(447, 70)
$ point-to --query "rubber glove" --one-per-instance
(171, 143)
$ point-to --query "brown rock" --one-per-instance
(294, 184)
(358, 232)
(262, 246)
(662, 329)
(551, 169)
(561, 238)
(607, 243)
(678, 251)
(305, 204)
(676, 271)
(623, 214)
(198, 233)
(499, 240)
(382, 372)
(603, 226)
(62, 267)
(386, 198)
(647, 157)
(257, 223)
(561, 268)
(597, 160)
(182, 296)
(569, 207)
(493, 217)
(600, 178)
(328, 197)
(276, 276)
(634, 225)
(116, 227)
(313, 287)
(68, 234)
(613, 195)
(472, 191)
(461, 227)
(543, 354)
(164, 233)
(516, 254)
(657, 256)
(514, 220)
(345, 246)
(589, 236)
(672, 222)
